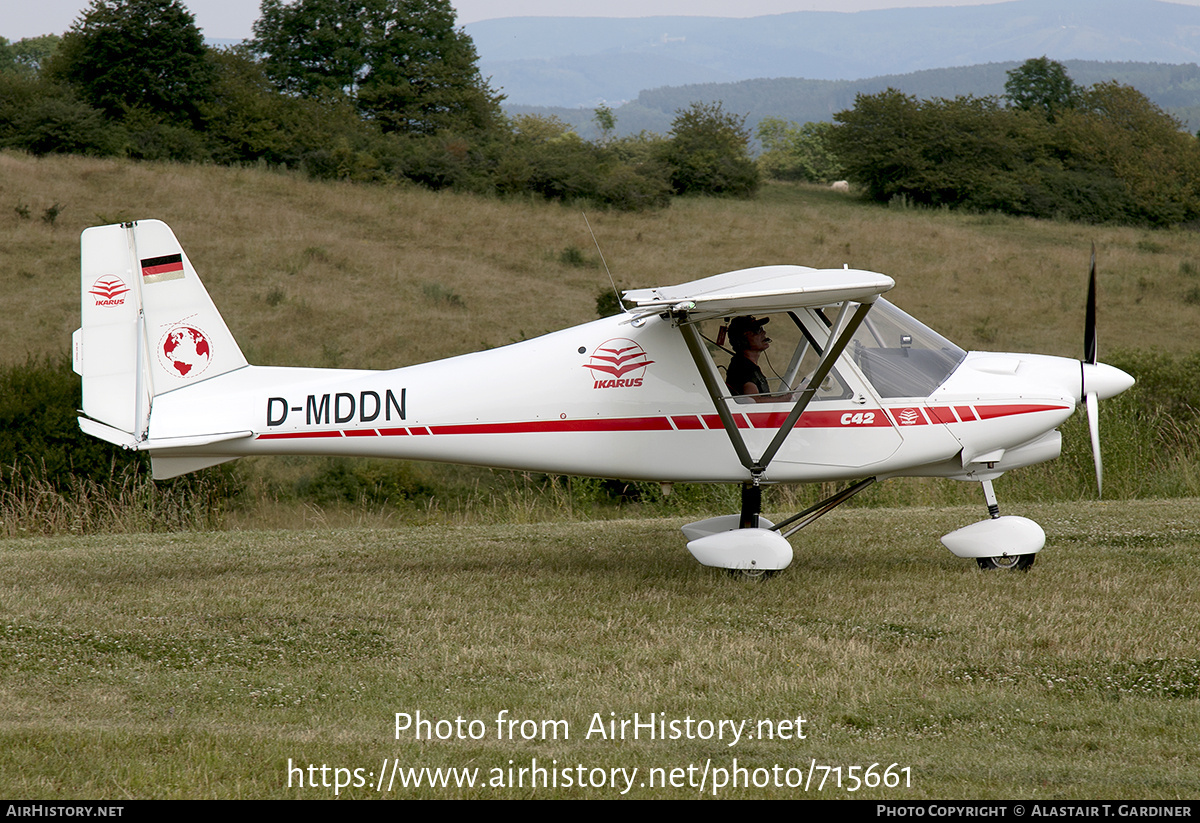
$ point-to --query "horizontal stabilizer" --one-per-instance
(157, 443)
(115, 436)
(127, 441)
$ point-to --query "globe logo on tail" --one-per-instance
(184, 351)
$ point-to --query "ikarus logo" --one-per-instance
(109, 290)
(619, 363)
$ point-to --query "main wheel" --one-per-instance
(1011, 562)
(752, 575)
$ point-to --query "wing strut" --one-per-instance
(840, 334)
(712, 382)
(817, 510)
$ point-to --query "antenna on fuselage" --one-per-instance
(605, 263)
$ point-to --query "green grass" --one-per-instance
(198, 664)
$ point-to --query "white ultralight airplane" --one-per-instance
(862, 392)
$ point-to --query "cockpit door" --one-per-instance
(845, 425)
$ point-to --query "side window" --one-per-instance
(778, 364)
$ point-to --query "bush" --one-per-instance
(792, 152)
(43, 450)
(150, 137)
(340, 480)
(632, 188)
(1111, 156)
(708, 152)
(39, 427)
(43, 118)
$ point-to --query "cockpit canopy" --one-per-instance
(897, 354)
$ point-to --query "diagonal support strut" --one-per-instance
(840, 334)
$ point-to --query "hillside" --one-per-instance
(323, 274)
(195, 663)
(576, 61)
(1175, 88)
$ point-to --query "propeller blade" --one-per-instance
(1089, 323)
(1093, 414)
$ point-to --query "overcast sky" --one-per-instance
(231, 19)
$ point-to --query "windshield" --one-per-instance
(901, 356)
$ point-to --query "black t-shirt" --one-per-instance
(740, 372)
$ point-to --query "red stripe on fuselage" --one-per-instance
(941, 414)
(540, 426)
(990, 412)
(288, 435)
(758, 420)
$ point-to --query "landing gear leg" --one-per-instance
(751, 504)
(989, 495)
(751, 508)
(1010, 562)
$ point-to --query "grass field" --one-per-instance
(198, 665)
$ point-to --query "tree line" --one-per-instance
(1047, 148)
(386, 90)
(364, 90)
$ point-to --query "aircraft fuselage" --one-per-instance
(615, 398)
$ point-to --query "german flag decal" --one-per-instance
(158, 269)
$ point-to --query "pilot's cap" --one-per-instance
(740, 326)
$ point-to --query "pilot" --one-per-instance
(749, 340)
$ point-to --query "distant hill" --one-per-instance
(574, 62)
(1175, 88)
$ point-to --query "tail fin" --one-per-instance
(148, 327)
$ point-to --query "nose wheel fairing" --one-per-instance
(1008, 536)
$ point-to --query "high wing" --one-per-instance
(762, 289)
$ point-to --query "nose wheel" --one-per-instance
(1011, 562)
(1009, 543)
